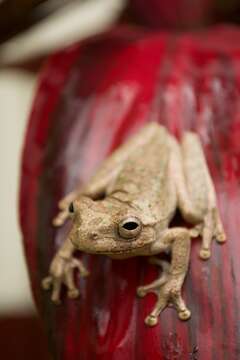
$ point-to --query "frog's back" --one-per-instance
(144, 178)
(147, 167)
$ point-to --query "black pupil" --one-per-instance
(131, 225)
(71, 208)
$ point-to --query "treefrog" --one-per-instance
(126, 209)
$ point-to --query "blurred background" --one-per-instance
(24, 27)
(29, 31)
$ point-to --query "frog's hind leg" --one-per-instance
(168, 287)
(155, 287)
(197, 197)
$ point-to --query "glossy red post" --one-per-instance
(90, 98)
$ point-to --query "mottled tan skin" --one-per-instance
(126, 208)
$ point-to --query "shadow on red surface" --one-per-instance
(21, 337)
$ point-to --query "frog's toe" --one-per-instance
(84, 273)
(141, 291)
(212, 229)
(73, 293)
(63, 204)
(82, 270)
(219, 230)
(56, 301)
(205, 254)
(175, 298)
(153, 287)
(56, 292)
(221, 237)
(184, 314)
(196, 231)
(47, 283)
(151, 320)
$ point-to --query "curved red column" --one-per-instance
(90, 98)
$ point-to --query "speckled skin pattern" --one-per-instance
(126, 209)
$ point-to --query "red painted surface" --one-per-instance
(173, 13)
(91, 97)
(22, 338)
(184, 13)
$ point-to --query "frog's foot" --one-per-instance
(210, 229)
(168, 291)
(62, 272)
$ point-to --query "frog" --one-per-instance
(127, 208)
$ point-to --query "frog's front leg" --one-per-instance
(61, 272)
(168, 286)
(195, 191)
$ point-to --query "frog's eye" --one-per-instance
(130, 227)
(71, 208)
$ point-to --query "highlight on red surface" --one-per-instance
(90, 98)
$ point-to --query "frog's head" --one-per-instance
(108, 227)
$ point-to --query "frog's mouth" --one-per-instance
(123, 251)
